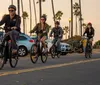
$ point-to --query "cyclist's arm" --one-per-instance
(3, 20)
(34, 29)
(61, 32)
(52, 31)
(18, 22)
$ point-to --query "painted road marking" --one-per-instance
(47, 67)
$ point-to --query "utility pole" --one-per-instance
(53, 10)
(71, 18)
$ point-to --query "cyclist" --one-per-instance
(42, 30)
(12, 23)
(89, 32)
(58, 33)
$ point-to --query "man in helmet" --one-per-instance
(89, 32)
(58, 33)
(42, 30)
(12, 23)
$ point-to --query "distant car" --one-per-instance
(24, 42)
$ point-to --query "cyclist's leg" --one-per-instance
(43, 43)
(58, 45)
(14, 36)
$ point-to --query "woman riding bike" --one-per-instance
(42, 30)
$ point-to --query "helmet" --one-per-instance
(57, 22)
(12, 6)
(44, 17)
(90, 23)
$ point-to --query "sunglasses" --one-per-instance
(42, 19)
(11, 10)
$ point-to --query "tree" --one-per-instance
(24, 15)
(12, 2)
(23, 18)
(30, 14)
(71, 18)
(66, 29)
(53, 10)
(35, 11)
(80, 18)
(40, 6)
(58, 15)
(18, 3)
(76, 13)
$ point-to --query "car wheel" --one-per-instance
(22, 51)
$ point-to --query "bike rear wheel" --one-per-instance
(13, 58)
(53, 52)
(33, 55)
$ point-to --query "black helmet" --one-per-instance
(44, 17)
(57, 22)
(12, 6)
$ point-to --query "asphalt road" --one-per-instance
(72, 69)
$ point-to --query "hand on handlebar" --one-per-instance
(13, 28)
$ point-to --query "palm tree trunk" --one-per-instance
(71, 18)
(23, 17)
(76, 27)
(53, 10)
(40, 9)
(35, 11)
(12, 2)
(80, 18)
(30, 14)
(18, 3)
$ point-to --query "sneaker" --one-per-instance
(45, 50)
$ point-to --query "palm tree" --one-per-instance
(71, 18)
(35, 11)
(40, 7)
(25, 16)
(18, 3)
(53, 10)
(76, 13)
(80, 17)
(12, 2)
(66, 29)
(58, 15)
(30, 14)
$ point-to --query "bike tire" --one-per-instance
(33, 56)
(53, 52)
(58, 54)
(44, 56)
(13, 59)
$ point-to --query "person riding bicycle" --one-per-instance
(12, 23)
(42, 30)
(58, 34)
(89, 32)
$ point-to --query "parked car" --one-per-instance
(24, 42)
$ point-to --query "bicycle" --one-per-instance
(6, 53)
(37, 50)
(53, 50)
(88, 48)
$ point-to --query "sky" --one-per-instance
(90, 12)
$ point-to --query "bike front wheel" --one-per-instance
(53, 52)
(13, 58)
(33, 55)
